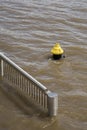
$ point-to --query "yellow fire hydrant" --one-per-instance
(57, 51)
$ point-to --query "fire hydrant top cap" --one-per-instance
(57, 50)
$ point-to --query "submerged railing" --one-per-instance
(17, 77)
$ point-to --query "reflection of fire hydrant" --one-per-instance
(57, 51)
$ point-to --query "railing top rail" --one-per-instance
(23, 72)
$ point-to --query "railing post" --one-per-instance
(52, 104)
(2, 68)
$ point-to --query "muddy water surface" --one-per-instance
(28, 31)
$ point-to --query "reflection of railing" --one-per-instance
(17, 77)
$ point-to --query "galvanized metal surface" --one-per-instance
(20, 79)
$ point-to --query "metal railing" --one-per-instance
(11, 72)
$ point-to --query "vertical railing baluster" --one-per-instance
(27, 86)
(19, 81)
(2, 68)
(8, 72)
(39, 96)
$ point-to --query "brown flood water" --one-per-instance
(28, 31)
